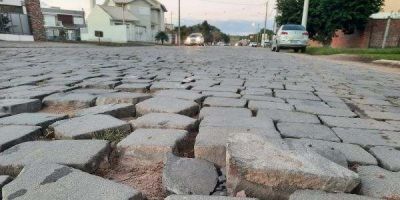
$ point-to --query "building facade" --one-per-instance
(63, 24)
(129, 21)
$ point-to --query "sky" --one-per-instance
(236, 17)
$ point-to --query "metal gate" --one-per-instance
(14, 23)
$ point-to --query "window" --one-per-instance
(79, 21)
(293, 28)
(49, 20)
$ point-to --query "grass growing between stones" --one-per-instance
(114, 136)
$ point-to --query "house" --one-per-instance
(122, 21)
(63, 24)
(21, 20)
(373, 36)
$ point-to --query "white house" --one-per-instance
(124, 21)
(63, 24)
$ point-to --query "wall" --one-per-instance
(11, 2)
(36, 19)
(144, 17)
(19, 38)
(355, 40)
(372, 37)
(98, 20)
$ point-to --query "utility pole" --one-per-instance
(123, 14)
(258, 33)
(179, 22)
(305, 13)
(386, 31)
(265, 24)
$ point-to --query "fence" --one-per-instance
(372, 37)
(14, 23)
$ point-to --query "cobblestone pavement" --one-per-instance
(86, 122)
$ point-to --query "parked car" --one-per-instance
(290, 36)
(253, 44)
(266, 44)
(195, 39)
(220, 44)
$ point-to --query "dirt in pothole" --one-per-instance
(145, 177)
(62, 110)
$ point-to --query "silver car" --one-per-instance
(195, 39)
(290, 36)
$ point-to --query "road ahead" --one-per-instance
(270, 108)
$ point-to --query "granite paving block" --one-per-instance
(152, 144)
(165, 121)
(367, 138)
(354, 153)
(89, 127)
(181, 94)
(17, 106)
(53, 181)
(224, 102)
(121, 98)
(249, 166)
(223, 112)
(75, 100)
(167, 105)
(357, 123)
(310, 131)
(379, 183)
(288, 116)
(81, 154)
(32, 119)
(14, 134)
(388, 157)
(115, 110)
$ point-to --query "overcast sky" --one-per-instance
(232, 16)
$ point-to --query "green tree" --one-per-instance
(270, 33)
(210, 33)
(162, 36)
(327, 16)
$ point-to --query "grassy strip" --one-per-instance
(375, 54)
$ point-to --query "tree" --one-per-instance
(327, 16)
(162, 36)
(210, 33)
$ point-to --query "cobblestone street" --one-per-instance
(90, 122)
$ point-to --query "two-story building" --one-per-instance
(123, 21)
(63, 24)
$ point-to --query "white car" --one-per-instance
(291, 36)
(195, 39)
(253, 44)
